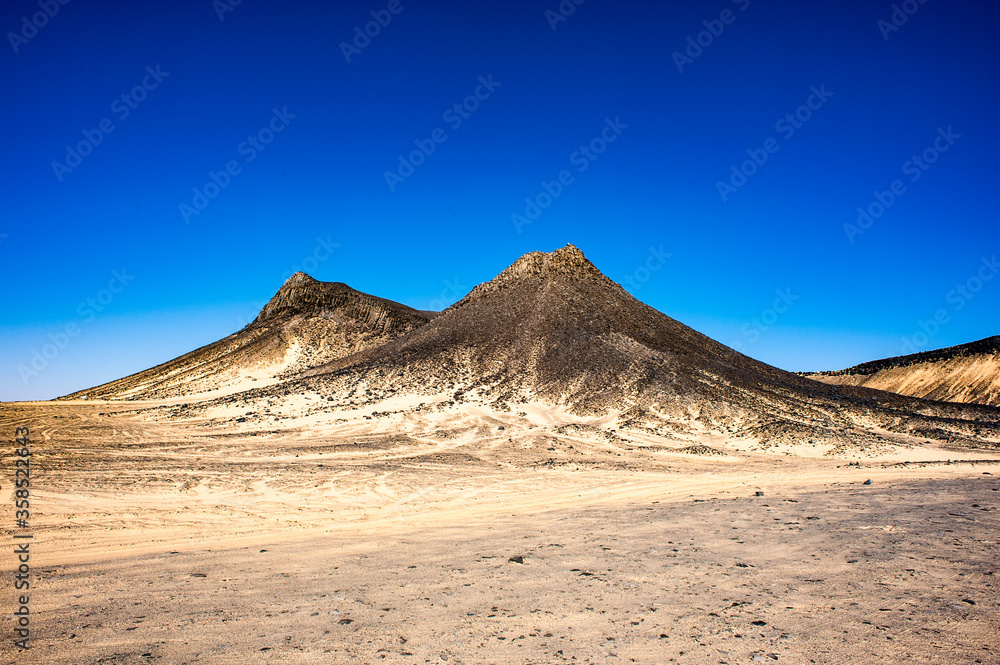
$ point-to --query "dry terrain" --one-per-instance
(548, 471)
(966, 373)
(177, 540)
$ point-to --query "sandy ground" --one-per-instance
(364, 541)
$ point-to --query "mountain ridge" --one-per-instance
(550, 328)
(968, 373)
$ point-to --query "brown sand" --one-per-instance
(392, 544)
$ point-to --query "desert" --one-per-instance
(399, 494)
(500, 333)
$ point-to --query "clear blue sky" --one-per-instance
(315, 194)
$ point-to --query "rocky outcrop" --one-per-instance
(967, 373)
(303, 295)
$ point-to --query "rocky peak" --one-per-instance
(303, 295)
(298, 279)
(568, 260)
(564, 263)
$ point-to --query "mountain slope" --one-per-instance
(967, 373)
(549, 332)
(307, 322)
(551, 327)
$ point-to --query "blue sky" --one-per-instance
(641, 123)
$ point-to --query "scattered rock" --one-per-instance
(867, 482)
(699, 449)
(516, 559)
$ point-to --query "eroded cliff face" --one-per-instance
(968, 373)
(303, 295)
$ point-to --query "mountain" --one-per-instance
(965, 373)
(306, 323)
(549, 330)
(552, 327)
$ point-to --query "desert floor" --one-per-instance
(354, 540)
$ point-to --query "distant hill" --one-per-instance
(965, 373)
(306, 323)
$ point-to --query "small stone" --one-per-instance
(867, 482)
(516, 559)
